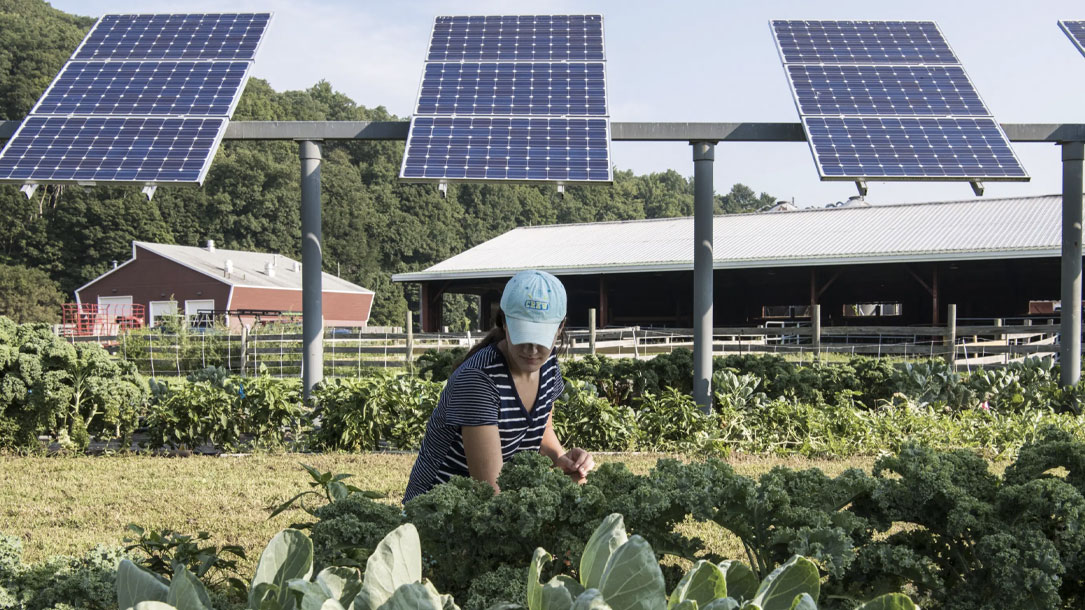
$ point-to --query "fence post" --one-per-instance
(244, 357)
(951, 335)
(591, 330)
(1002, 340)
(815, 329)
(409, 356)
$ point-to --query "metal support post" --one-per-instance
(1070, 339)
(312, 265)
(704, 153)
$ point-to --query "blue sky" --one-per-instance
(690, 61)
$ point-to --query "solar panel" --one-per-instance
(933, 147)
(885, 90)
(519, 98)
(888, 100)
(145, 87)
(514, 89)
(122, 149)
(512, 38)
(862, 42)
(191, 37)
(144, 99)
(1076, 31)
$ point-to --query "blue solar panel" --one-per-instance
(888, 100)
(513, 38)
(487, 148)
(145, 88)
(514, 89)
(862, 42)
(1076, 31)
(947, 148)
(50, 149)
(206, 37)
(885, 90)
(144, 99)
(512, 98)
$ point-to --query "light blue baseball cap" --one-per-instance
(534, 304)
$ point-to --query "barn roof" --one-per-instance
(1018, 227)
(249, 268)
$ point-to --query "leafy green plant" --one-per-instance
(621, 572)
(325, 485)
(81, 582)
(166, 550)
(674, 422)
(437, 365)
(583, 419)
(193, 414)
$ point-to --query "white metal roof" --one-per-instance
(1020, 227)
(249, 268)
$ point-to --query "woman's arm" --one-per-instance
(482, 445)
(576, 462)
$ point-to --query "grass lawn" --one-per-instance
(67, 505)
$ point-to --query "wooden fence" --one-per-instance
(347, 352)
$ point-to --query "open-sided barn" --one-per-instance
(898, 264)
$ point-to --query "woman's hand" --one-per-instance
(576, 463)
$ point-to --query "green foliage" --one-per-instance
(332, 489)
(48, 386)
(357, 414)
(674, 422)
(583, 419)
(29, 295)
(972, 538)
(85, 582)
(348, 529)
(163, 552)
(437, 365)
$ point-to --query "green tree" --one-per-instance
(28, 295)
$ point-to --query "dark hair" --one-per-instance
(497, 334)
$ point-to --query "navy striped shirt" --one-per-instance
(481, 393)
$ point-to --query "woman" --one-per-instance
(500, 400)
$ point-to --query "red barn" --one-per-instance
(163, 279)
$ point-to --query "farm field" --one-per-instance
(67, 505)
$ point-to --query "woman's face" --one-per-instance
(529, 357)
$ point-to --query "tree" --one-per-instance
(741, 199)
(28, 295)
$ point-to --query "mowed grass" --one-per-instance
(67, 505)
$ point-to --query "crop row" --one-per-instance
(73, 393)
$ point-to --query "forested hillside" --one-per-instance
(374, 225)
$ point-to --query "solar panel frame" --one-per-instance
(220, 133)
(421, 83)
(851, 177)
(1075, 31)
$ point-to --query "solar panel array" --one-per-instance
(520, 98)
(144, 99)
(889, 100)
(1076, 31)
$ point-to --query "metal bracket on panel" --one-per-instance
(977, 188)
(149, 189)
(28, 190)
(861, 185)
(442, 188)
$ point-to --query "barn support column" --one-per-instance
(934, 296)
(312, 266)
(604, 319)
(704, 153)
(1070, 340)
(431, 298)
